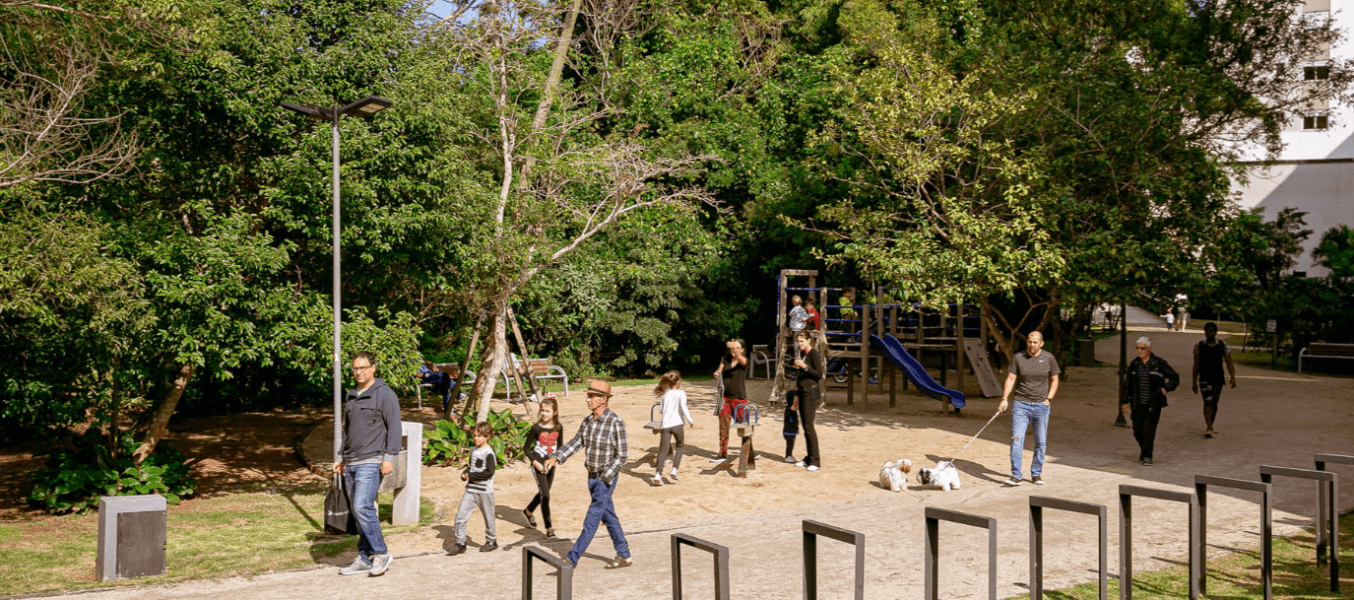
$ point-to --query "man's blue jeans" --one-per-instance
(1034, 415)
(362, 483)
(600, 511)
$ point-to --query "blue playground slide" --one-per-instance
(914, 370)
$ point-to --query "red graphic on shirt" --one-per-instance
(546, 441)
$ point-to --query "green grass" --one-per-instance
(1261, 359)
(240, 534)
(1237, 576)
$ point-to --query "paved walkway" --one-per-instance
(1271, 418)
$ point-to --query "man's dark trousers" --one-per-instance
(600, 511)
(1145, 427)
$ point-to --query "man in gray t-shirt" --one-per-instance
(1033, 380)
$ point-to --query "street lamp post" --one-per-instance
(362, 108)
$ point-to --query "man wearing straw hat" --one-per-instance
(603, 433)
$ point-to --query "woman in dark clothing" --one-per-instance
(806, 398)
(542, 440)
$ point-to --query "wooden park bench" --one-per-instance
(541, 369)
(1320, 350)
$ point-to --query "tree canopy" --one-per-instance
(627, 177)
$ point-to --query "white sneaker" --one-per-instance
(358, 567)
(673, 474)
(718, 459)
(380, 564)
(813, 467)
(790, 459)
(1012, 481)
(801, 464)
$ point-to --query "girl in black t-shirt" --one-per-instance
(542, 440)
(733, 370)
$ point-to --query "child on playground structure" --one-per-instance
(479, 490)
(671, 428)
(798, 318)
(846, 312)
(815, 322)
(542, 440)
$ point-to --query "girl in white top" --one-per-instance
(671, 427)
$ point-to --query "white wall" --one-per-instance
(1325, 189)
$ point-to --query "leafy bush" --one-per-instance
(74, 480)
(448, 444)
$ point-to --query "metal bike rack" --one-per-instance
(813, 529)
(1322, 509)
(1201, 483)
(1332, 481)
(1126, 494)
(1037, 506)
(564, 585)
(932, 562)
(721, 556)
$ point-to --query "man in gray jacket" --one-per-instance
(371, 441)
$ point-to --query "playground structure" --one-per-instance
(861, 339)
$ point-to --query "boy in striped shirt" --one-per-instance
(479, 490)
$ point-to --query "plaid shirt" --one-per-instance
(606, 442)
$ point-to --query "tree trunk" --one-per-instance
(495, 348)
(159, 424)
(113, 429)
(460, 375)
(994, 328)
(566, 35)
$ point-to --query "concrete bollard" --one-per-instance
(131, 537)
(404, 510)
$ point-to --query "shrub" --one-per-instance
(74, 480)
(448, 444)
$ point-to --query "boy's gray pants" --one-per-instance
(468, 503)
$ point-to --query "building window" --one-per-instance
(1316, 73)
(1314, 122)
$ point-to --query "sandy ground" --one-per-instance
(1270, 418)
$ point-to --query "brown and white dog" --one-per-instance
(893, 476)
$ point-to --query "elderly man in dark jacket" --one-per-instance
(1149, 379)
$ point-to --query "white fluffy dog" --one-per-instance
(943, 475)
(894, 475)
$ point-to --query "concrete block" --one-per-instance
(131, 537)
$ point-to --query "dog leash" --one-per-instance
(975, 436)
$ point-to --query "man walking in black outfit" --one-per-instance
(1209, 356)
(1149, 379)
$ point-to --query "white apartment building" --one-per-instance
(1315, 171)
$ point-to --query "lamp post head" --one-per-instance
(308, 110)
(365, 107)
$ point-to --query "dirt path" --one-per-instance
(1271, 418)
